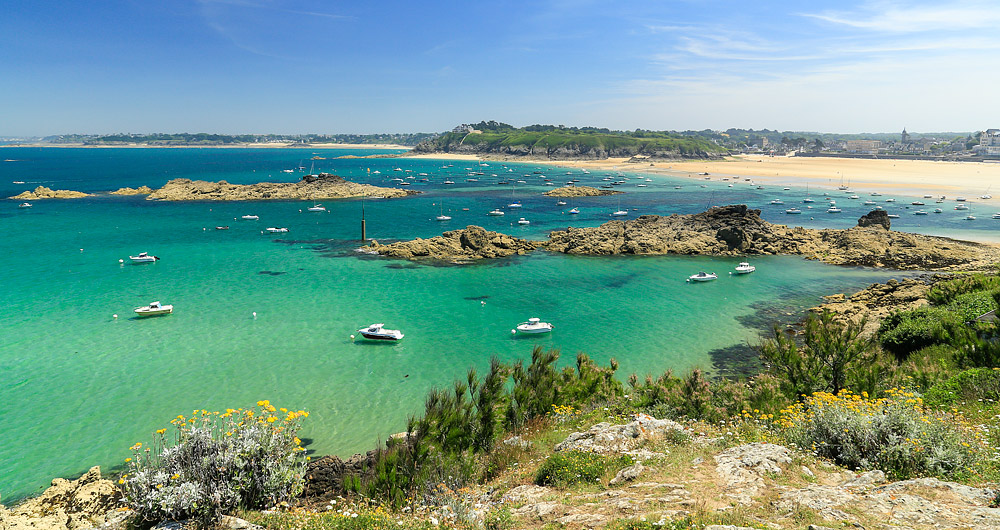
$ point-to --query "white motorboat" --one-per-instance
(777, 201)
(703, 277)
(24, 205)
(960, 199)
(154, 309)
(744, 268)
(890, 200)
(893, 216)
(870, 202)
(574, 211)
(275, 230)
(523, 221)
(961, 207)
(853, 197)
(560, 203)
(920, 212)
(250, 217)
(793, 210)
(833, 209)
(496, 213)
(917, 203)
(808, 200)
(448, 182)
(514, 205)
(876, 194)
(533, 326)
(316, 208)
(938, 210)
(143, 257)
(222, 227)
(970, 217)
(377, 332)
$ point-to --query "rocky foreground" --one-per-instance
(311, 187)
(87, 502)
(457, 246)
(41, 192)
(580, 191)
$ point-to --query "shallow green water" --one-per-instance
(77, 387)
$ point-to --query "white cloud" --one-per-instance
(908, 18)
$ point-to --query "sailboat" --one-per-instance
(619, 212)
(514, 202)
(443, 217)
(808, 199)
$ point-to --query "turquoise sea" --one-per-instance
(78, 387)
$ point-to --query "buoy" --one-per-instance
(254, 314)
(203, 228)
(121, 261)
(482, 302)
(513, 331)
(115, 316)
(352, 337)
(81, 250)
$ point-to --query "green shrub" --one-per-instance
(903, 332)
(219, 462)
(695, 397)
(894, 434)
(572, 467)
(970, 385)
(945, 292)
(970, 306)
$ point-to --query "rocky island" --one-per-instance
(580, 191)
(457, 246)
(734, 230)
(141, 190)
(41, 192)
(311, 187)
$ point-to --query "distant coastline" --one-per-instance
(274, 145)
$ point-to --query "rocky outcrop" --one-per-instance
(311, 187)
(325, 476)
(743, 468)
(470, 243)
(605, 438)
(580, 191)
(736, 230)
(86, 502)
(879, 299)
(876, 218)
(41, 192)
(141, 190)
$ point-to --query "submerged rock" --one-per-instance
(41, 192)
(311, 187)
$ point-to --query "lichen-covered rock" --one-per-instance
(68, 504)
(580, 191)
(742, 468)
(605, 438)
(41, 192)
(470, 243)
(311, 187)
(627, 474)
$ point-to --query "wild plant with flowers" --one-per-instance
(216, 462)
(895, 433)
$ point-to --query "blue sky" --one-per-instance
(257, 66)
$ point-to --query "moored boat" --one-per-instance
(143, 257)
(533, 326)
(523, 221)
(250, 217)
(574, 211)
(275, 230)
(703, 277)
(744, 268)
(154, 309)
(316, 208)
(24, 205)
(495, 212)
(378, 332)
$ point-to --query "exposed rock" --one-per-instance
(879, 299)
(736, 230)
(311, 187)
(471, 243)
(605, 438)
(866, 479)
(580, 191)
(141, 190)
(588, 520)
(628, 474)
(517, 441)
(41, 192)
(325, 475)
(86, 502)
(727, 527)
(875, 218)
(742, 468)
(528, 493)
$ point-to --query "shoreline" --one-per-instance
(232, 146)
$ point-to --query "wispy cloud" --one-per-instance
(908, 18)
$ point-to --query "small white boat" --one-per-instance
(523, 221)
(448, 182)
(890, 200)
(703, 277)
(961, 207)
(443, 217)
(938, 210)
(996, 216)
(316, 208)
(960, 199)
(154, 309)
(920, 212)
(876, 194)
(833, 209)
(619, 213)
(143, 257)
(870, 202)
(497, 212)
(377, 332)
(917, 203)
(793, 210)
(560, 203)
(853, 197)
(893, 216)
(744, 268)
(275, 230)
(514, 205)
(574, 211)
(250, 217)
(808, 200)
(970, 217)
(222, 227)
(777, 201)
(24, 205)
(533, 326)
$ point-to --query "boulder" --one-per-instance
(86, 502)
(605, 438)
(875, 218)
